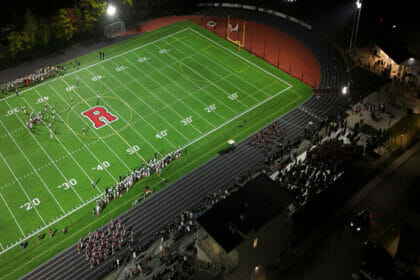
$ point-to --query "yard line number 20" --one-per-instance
(28, 205)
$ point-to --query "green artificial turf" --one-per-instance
(177, 87)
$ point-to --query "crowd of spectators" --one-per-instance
(323, 163)
(314, 174)
(270, 137)
(125, 182)
(34, 78)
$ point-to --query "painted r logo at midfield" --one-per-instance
(99, 116)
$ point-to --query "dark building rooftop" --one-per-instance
(245, 210)
(394, 49)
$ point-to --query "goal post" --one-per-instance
(114, 29)
(235, 28)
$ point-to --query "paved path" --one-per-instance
(70, 53)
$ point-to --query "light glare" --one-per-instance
(111, 10)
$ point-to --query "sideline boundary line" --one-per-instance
(53, 222)
(237, 75)
(91, 65)
(243, 58)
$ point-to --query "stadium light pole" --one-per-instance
(355, 29)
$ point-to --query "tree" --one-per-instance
(30, 22)
(21, 42)
(43, 35)
(127, 2)
(92, 10)
(79, 25)
(63, 28)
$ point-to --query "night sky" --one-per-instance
(17, 8)
(400, 13)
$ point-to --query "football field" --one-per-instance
(179, 87)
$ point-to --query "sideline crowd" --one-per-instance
(34, 78)
(127, 181)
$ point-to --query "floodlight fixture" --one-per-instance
(345, 90)
(111, 10)
(358, 4)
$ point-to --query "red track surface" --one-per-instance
(273, 45)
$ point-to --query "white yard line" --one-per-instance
(68, 153)
(96, 94)
(47, 165)
(50, 159)
(203, 89)
(30, 163)
(93, 130)
(221, 66)
(142, 101)
(86, 146)
(94, 64)
(141, 117)
(202, 76)
(45, 152)
(20, 185)
(120, 116)
(179, 86)
(52, 223)
(174, 96)
(13, 216)
(234, 53)
(163, 102)
(144, 118)
(236, 117)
